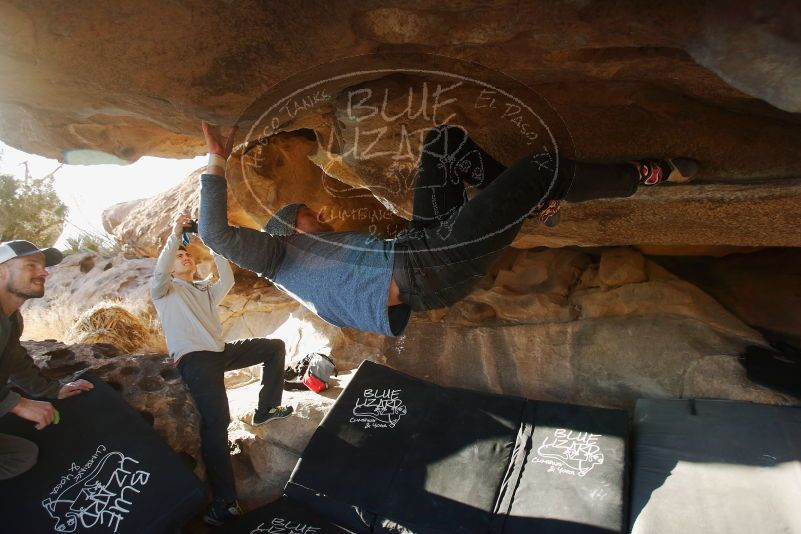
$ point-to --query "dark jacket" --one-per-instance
(17, 368)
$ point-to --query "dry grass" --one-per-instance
(130, 326)
(109, 323)
(116, 324)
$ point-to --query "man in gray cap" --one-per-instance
(23, 270)
(352, 279)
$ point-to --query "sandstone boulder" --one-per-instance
(761, 288)
(164, 77)
(570, 340)
(609, 87)
(620, 266)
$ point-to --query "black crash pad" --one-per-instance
(283, 516)
(715, 467)
(398, 454)
(101, 469)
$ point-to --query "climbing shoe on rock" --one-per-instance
(675, 170)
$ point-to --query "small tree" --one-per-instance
(30, 209)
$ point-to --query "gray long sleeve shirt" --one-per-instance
(17, 368)
(188, 311)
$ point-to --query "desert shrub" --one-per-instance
(90, 242)
(30, 209)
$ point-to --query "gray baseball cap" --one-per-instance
(282, 223)
(20, 248)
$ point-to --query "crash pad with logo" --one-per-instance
(398, 454)
(571, 473)
(101, 469)
(282, 516)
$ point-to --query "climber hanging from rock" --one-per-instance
(351, 279)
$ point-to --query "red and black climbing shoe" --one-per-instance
(675, 170)
(550, 215)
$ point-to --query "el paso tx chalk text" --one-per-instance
(510, 111)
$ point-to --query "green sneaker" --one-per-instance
(279, 412)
